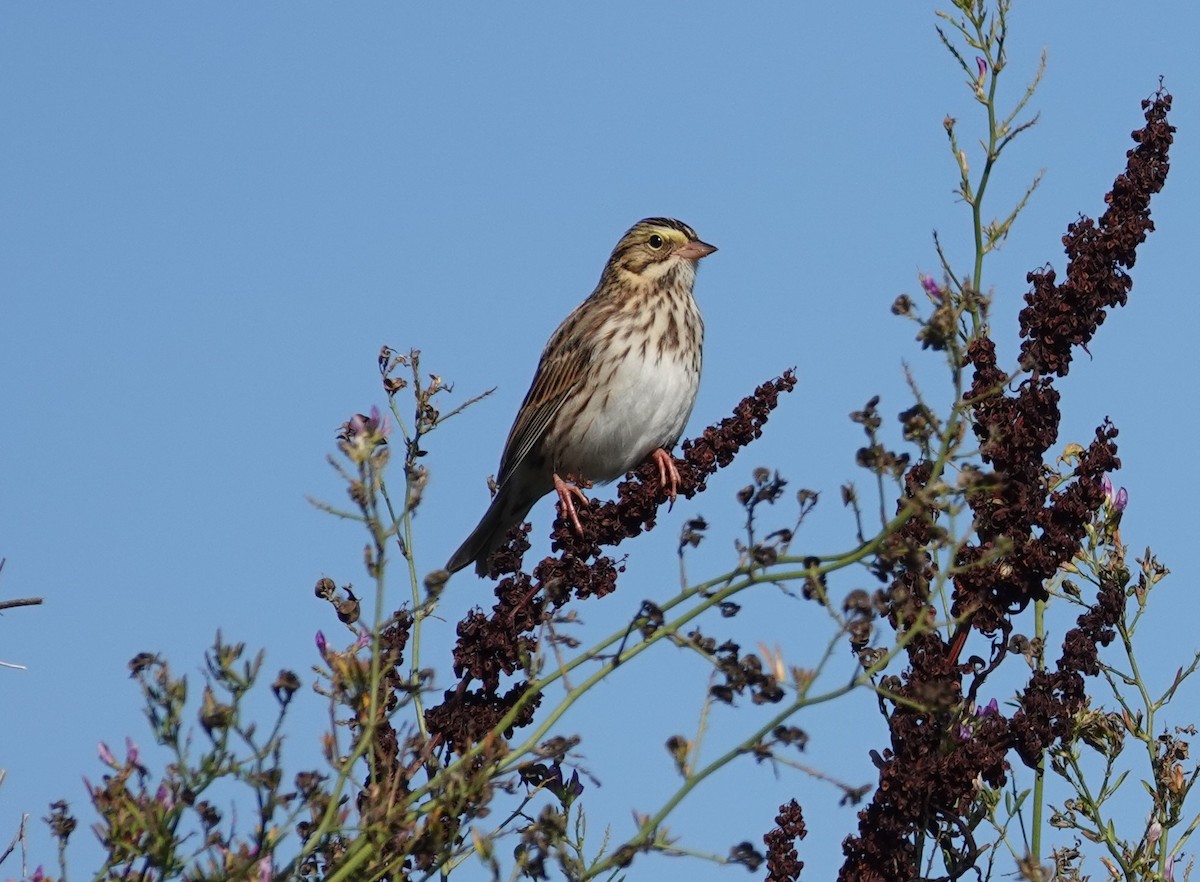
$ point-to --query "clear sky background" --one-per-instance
(213, 216)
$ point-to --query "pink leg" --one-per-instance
(567, 507)
(668, 475)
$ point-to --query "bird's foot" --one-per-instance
(565, 491)
(668, 474)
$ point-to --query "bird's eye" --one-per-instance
(655, 241)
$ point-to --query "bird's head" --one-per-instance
(655, 248)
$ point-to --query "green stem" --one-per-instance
(1039, 783)
(1091, 810)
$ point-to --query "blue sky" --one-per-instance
(214, 216)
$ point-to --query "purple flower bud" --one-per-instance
(163, 797)
(1107, 487)
(932, 288)
(38, 875)
(964, 732)
(364, 639)
(357, 425)
(321, 643)
(1169, 872)
(981, 65)
(131, 752)
(264, 870)
(990, 709)
(106, 755)
(565, 789)
(1121, 500)
(380, 423)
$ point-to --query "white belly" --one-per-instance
(646, 407)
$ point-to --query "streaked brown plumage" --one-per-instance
(615, 385)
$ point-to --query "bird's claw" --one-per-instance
(566, 507)
(668, 474)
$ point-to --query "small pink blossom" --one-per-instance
(1154, 834)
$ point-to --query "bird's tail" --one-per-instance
(505, 511)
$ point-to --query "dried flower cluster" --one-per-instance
(1025, 532)
(783, 862)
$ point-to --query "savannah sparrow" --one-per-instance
(615, 385)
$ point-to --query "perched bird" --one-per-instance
(615, 385)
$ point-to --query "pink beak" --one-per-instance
(696, 249)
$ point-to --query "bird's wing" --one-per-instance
(559, 373)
